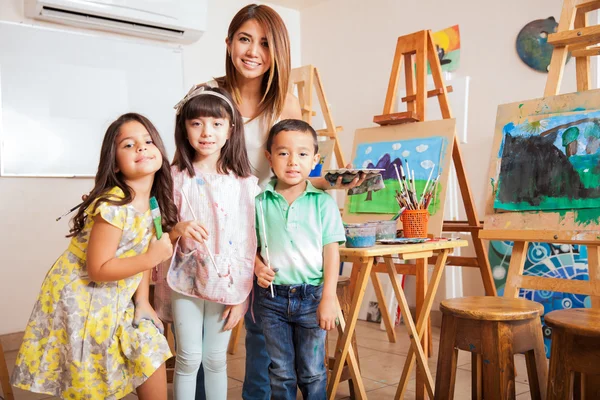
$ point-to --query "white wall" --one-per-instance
(30, 239)
(352, 42)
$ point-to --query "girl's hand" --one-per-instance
(264, 274)
(326, 313)
(192, 230)
(144, 311)
(160, 250)
(233, 315)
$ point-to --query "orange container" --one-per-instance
(414, 223)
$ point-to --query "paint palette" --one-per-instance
(403, 241)
(373, 180)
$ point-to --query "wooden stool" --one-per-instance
(4, 377)
(494, 329)
(575, 349)
(345, 299)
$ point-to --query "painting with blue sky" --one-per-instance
(424, 156)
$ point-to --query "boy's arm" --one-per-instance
(327, 311)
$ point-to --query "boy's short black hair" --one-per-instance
(294, 125)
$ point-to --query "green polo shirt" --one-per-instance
(296, 233)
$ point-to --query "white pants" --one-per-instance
(200, 339)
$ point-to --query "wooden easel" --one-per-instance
(304, 79)
(421, 46)
(574, 35)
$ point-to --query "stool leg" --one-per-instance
(498, 361)
(560, 382)
(447, 357)
(476, 377)
(537, 366)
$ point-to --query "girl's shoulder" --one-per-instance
(114, 214)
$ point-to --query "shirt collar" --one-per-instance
(309, 187)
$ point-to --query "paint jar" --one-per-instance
(360, 235)
(385, 230)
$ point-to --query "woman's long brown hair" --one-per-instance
(275, 82)
(234, 157)
(107, 178)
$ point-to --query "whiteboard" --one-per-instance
(60, 90)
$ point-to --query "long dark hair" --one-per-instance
(234, 157)
(275, 81)
(107, 178)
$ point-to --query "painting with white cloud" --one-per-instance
(425, 147)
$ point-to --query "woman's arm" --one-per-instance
(103, 266)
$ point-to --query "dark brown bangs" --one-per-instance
(205, 105)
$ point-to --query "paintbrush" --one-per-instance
(210, 255)
(70, 211)
(262, 216)
(402, 188)
(426, 184)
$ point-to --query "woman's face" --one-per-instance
(249, 50)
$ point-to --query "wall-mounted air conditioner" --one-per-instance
(182, 21)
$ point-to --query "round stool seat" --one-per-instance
(490, 308)
(579, 321)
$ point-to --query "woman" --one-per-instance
(257, 70)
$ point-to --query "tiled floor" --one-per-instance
(381, 363)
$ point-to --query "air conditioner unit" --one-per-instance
(182, 21)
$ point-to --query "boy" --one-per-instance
(302, 227)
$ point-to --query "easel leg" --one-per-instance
(515, 269)
(421, 288)
(422, 320)
(357, 384)
(594, 271)
(559, 55)
(346, 338)
(383, 308)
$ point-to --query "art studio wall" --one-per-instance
(356, 48)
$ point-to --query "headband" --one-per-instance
(199, 90)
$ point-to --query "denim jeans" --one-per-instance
(256, 381)
(295, 342)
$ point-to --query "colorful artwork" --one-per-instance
(545, 166)
(550, 164)
(421, 155)
(532, 43)
(545, 260)
(424, 147)
(447, 45)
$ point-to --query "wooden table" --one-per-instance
(363, 259)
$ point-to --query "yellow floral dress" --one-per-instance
(80, 342)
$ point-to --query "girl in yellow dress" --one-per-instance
(92, 333)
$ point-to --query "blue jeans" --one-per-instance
(295, 342)
(256, 381)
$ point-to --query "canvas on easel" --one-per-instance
(424, 147)
(545, 169)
